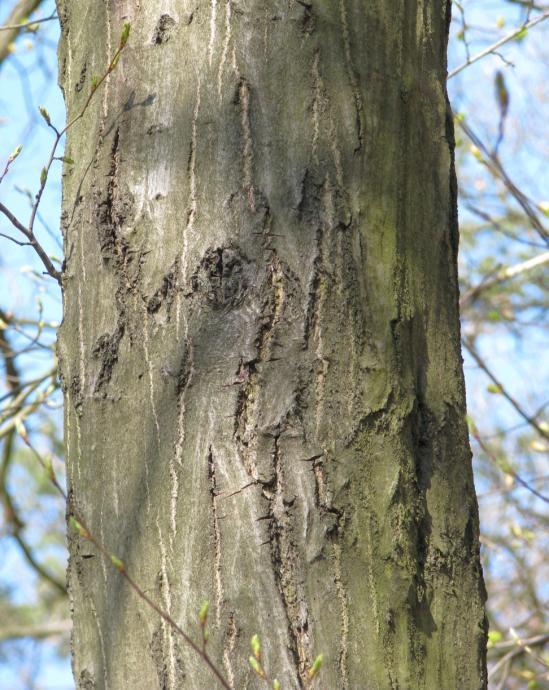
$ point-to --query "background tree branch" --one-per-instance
(22, 10)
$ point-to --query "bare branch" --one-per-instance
(31, 22)
(18, 15)
(50, 268)
(79, 524)
(12, 239)
(518, 407)
(39, 630)
(517, 649)
(35, 565)
(504, 274)
(492, 49)
(494, 165)
(11, 513)
(28, 231)
(526, 485)
(497, 225)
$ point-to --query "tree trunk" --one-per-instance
(260, 351)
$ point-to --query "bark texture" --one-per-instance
(260, 349)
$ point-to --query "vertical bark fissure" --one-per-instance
(167, 631)
(285, 560)
(191, 212)
(247, 151)
(249, 373)
(314, 284)
(226, 45)
(184, 377)
(218, 580)
(110, 215)
(336, 523)
(352, 74)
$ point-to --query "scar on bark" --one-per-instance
(164, 29)
(221, 277)
(248, 373)
(165, 294)
(106, 350)
(82, 78)
(309, 213)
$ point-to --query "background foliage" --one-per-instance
(499, 102)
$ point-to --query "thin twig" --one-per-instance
(38, 630)
(50, 268)
(35, 565)
(85, 533)
(28, 231)
(517, 649)
(507, 470)
(504, 274)
(492, 223)
(509, 489)
(18, 242)
(496, 168)
(27, 410)
(498, 44)
(13, 383)
(31, 22)
(19, 13)
(518, 407)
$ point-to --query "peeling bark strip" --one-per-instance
(261, 346)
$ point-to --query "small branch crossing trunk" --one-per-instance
(260, 350)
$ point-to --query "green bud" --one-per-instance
(49, 469)
(95, 81)
(203, 612)
(494, 636)
(476, 152)
(544, 207)
(117, 563)
(13, 155)
(276, 684)
(20, 428)
(256, 646)
(43, 176)
(471, 424)
(502, 94)
(256, 666)
(45, 114)
(77, 526)
(521, 35)
(315, 668)
(67, 159)
(124, 35)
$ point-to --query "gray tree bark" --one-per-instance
(260, 348)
